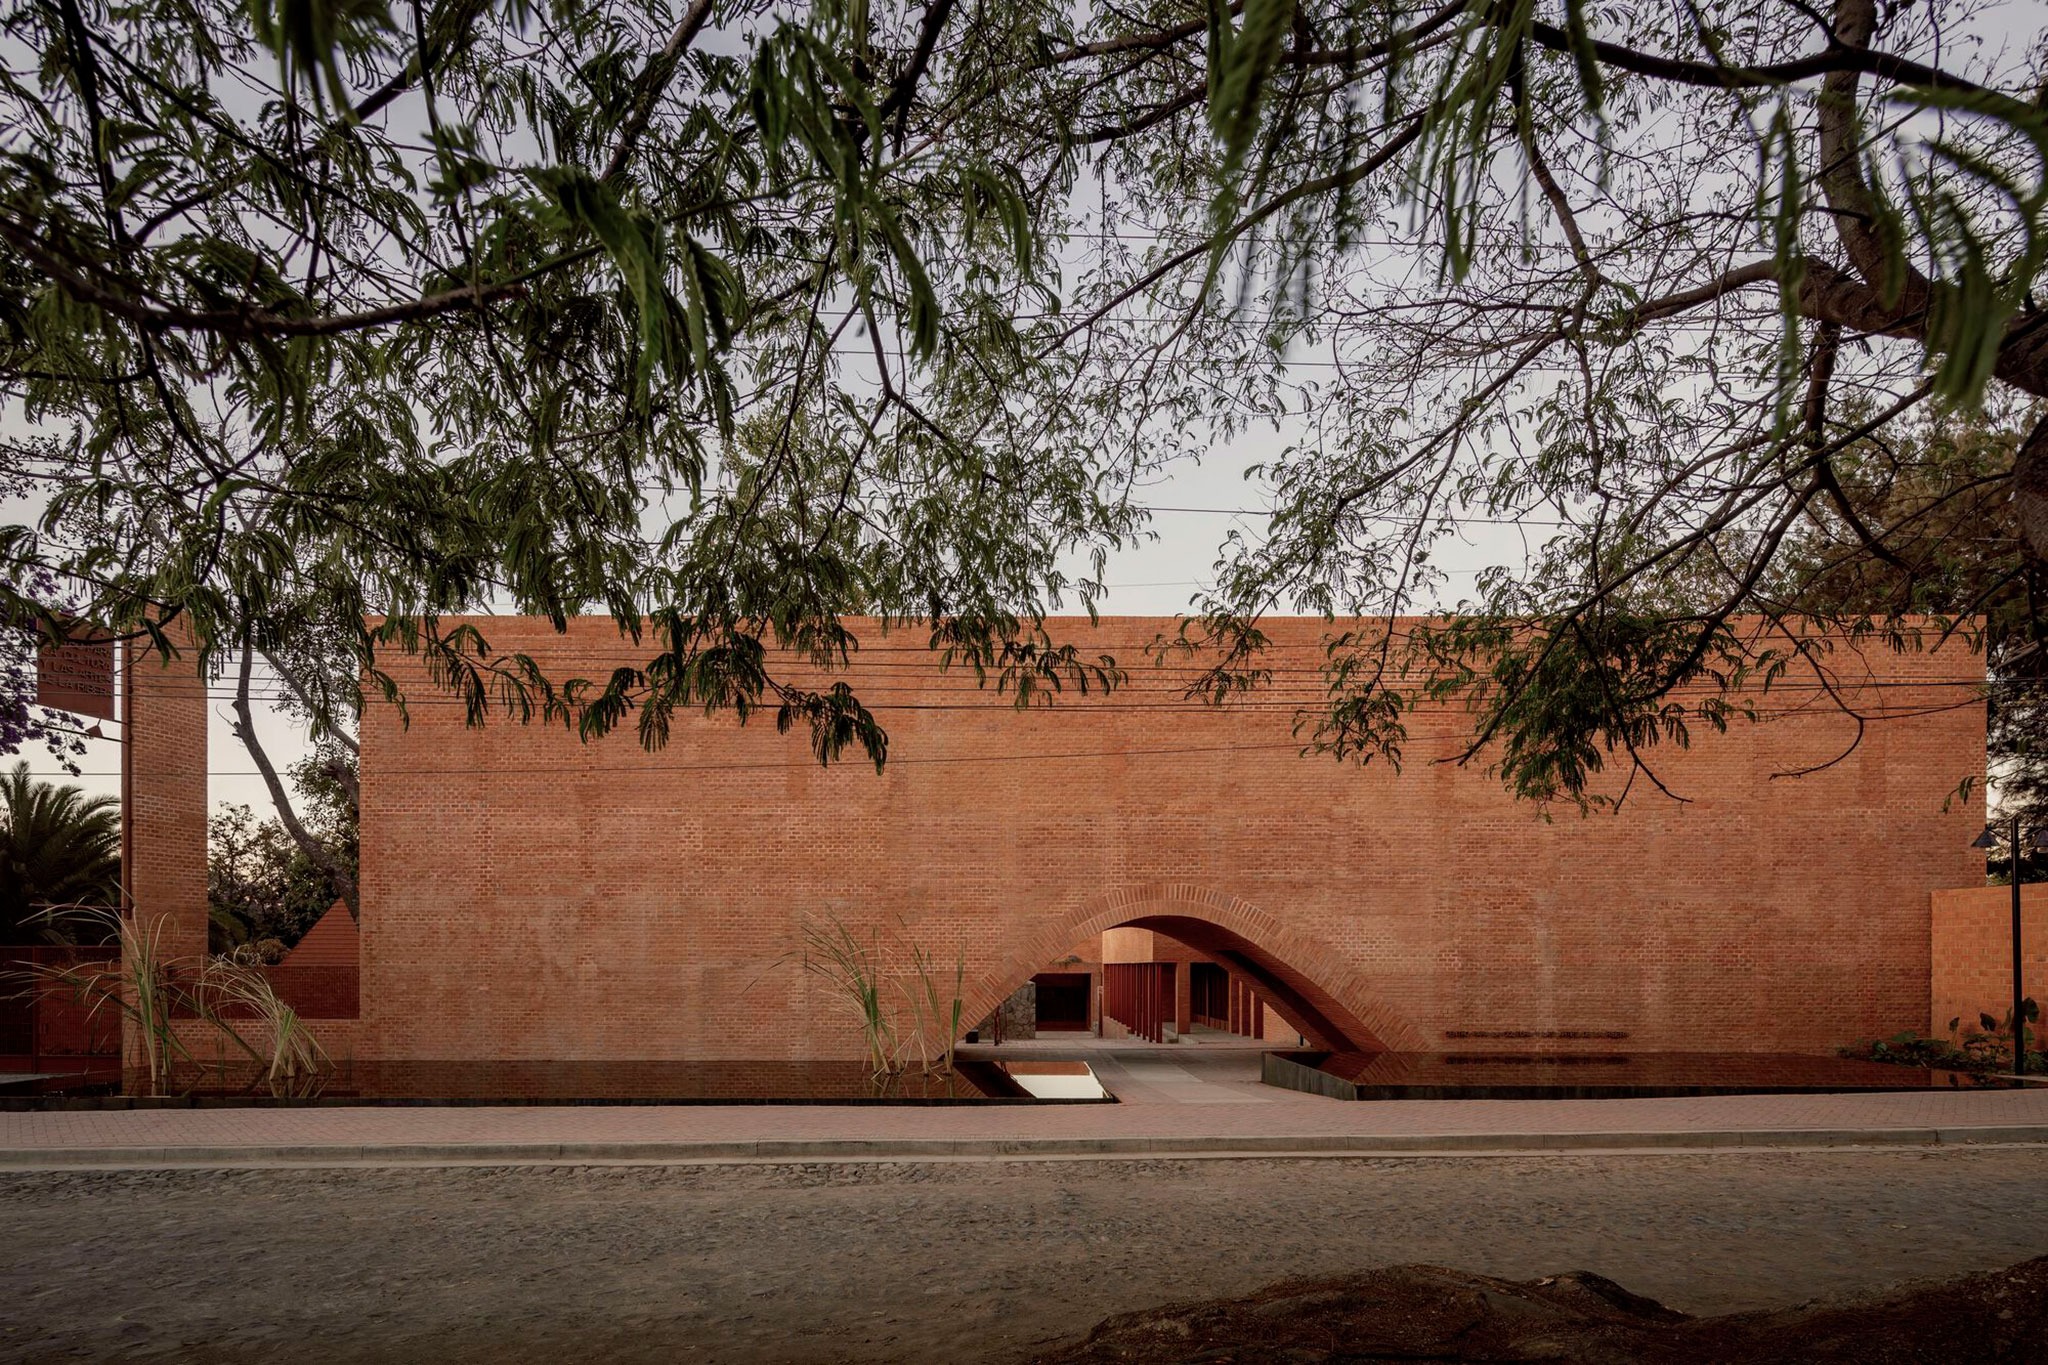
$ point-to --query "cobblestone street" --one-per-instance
(929, 1261)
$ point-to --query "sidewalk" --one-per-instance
(1181, 1102)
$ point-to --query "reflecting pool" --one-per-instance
(1603, 1075)
(972, 1081)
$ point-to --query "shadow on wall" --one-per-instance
(1311, 1012)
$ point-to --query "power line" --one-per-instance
(896, 679)
(855, 761)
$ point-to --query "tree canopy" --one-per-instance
(736, 318)
(1951, 544)
(263, 888)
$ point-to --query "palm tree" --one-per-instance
(58, 846)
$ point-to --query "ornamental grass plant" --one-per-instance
(228, 996)
(859, 975)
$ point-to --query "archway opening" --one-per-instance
(1162, 990)
(1220, 968)
(1308, 1010)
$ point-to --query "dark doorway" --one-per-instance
(1209, 994)
(1062, 1001)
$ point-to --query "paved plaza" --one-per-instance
(1185, 1100)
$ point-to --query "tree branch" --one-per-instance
(315, 850)
(1138, 123)
(1835, 57)
(654, 79)
(246, 322)
(897, 104)
(1856, 217)
(317, 713)
(1388, 150)
(1135, 42)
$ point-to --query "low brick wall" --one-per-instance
(1972, 953)
(318, 992)
(314, 992)
(42, 1018)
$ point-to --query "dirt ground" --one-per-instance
(1410, 1313)
(930, 1261)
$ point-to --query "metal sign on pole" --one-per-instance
(77, 676)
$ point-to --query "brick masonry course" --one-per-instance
(528, 895)
(1972, 954)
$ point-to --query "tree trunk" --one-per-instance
(322, 857)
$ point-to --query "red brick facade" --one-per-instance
(331, 942)
(1972, 958)
(529, 896)
(164, 761)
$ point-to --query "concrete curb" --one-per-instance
(1024, 1149)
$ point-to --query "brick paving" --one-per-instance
(1185, 1099)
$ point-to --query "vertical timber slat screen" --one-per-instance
(1220, 999)
(1139, 995)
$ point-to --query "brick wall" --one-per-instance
(49, 1018)
(1278, 1031)
(317, 992)
(208, 1046)
(529, 896)
(164, 841)
(1972, 953)
(163, 836)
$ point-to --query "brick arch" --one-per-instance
(1328, 1003)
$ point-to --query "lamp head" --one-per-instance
(1986, 841)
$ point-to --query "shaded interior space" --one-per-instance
(1065, 1002)
(1140, 984)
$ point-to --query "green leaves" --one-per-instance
(313, 38)
(545, 309)
(1563, 697)
(1580, 39)
(1980, 280)
(990, 195)
(1240, 62)
(808, 100)
(588, 312)
(1459, 122)
(679, 338)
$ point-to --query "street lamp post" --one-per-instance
(1989, 840)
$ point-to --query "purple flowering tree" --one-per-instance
(23, 723)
